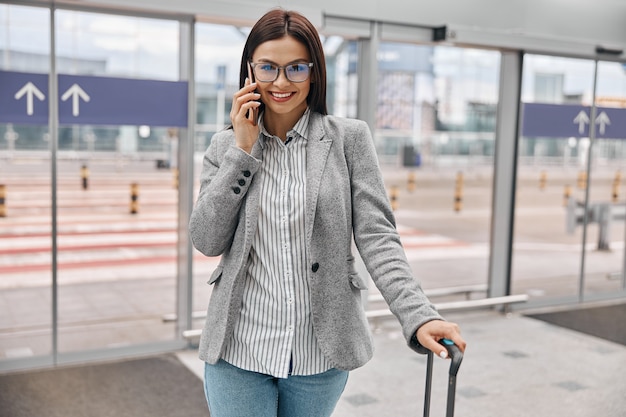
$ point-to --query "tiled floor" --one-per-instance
(514, 366)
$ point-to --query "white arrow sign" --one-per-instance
(582, 119)
(29, 90)
(75, 92)
(603, 120)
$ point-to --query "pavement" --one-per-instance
(117, 279)
(514, 366)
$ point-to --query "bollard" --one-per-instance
(134, 198)
(84, 174)
(542, 180)
(410, 185)
(3, 206)
(394, 197)
(616, 185)
(566, 195)
(582, 180)
(458, 192)
(175, 176)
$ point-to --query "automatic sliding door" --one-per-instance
(25, 187)
(557, 255)
(604, 260)
(117, 179)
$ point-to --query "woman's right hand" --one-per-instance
(242, 116)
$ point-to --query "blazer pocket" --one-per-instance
(357, 281)
(216, 275)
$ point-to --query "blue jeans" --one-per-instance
(234, 392)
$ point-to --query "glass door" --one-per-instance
(25, 187)
(435, 135)
(569, 227)
(117, 182)
(605, 256)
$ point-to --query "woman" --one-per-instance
(282, 195)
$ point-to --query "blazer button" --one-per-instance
(236, 190)
(241, 182)
(247, 173)
(315, 267)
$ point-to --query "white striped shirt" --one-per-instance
(274, 334)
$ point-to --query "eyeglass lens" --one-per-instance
(269, 72)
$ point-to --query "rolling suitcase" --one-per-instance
(456, 356)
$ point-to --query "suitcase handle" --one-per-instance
(456, 357)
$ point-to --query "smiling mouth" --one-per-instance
(282, 95)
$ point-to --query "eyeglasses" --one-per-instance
(266, 72)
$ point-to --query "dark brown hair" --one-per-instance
(278, 23)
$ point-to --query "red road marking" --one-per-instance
(99, 263)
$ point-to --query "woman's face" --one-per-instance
(281, 96)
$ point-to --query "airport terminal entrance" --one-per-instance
(95, 190)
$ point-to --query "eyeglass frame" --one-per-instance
(281, 67)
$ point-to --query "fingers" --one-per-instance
(433, 345)
(244, 101)
(429, 335)
(243, 116)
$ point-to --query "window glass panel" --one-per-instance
(117, 191)
(604, 270)
(435, 137)
(549, 169)
(25, 195)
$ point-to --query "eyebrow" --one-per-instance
(296, 61)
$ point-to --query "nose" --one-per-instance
(282, 78)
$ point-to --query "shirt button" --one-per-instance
(247, 173)
(236, 190)
(241, 182)
(290, 301)
(315, 267)
(289, 328)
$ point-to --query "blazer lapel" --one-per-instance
(318, 146)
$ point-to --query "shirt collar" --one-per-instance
(301, 128)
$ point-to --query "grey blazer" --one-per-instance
(345, 197)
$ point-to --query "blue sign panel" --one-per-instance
(118, 101)
(23, 98)
(563, 121)
(93, 100)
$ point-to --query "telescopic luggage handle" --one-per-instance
(456, 357)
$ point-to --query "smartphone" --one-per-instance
(255, 111)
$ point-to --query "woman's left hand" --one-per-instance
(430, 333)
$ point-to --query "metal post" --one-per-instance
(3, 203)
(84, 175)
(458, 192)
(410, 185)
(184, 279)
(567, 194)
(393, 197)
(504, 176)
(134, 198)
(368, 77)
(592, 137)
(53, 125)
(624, 258)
